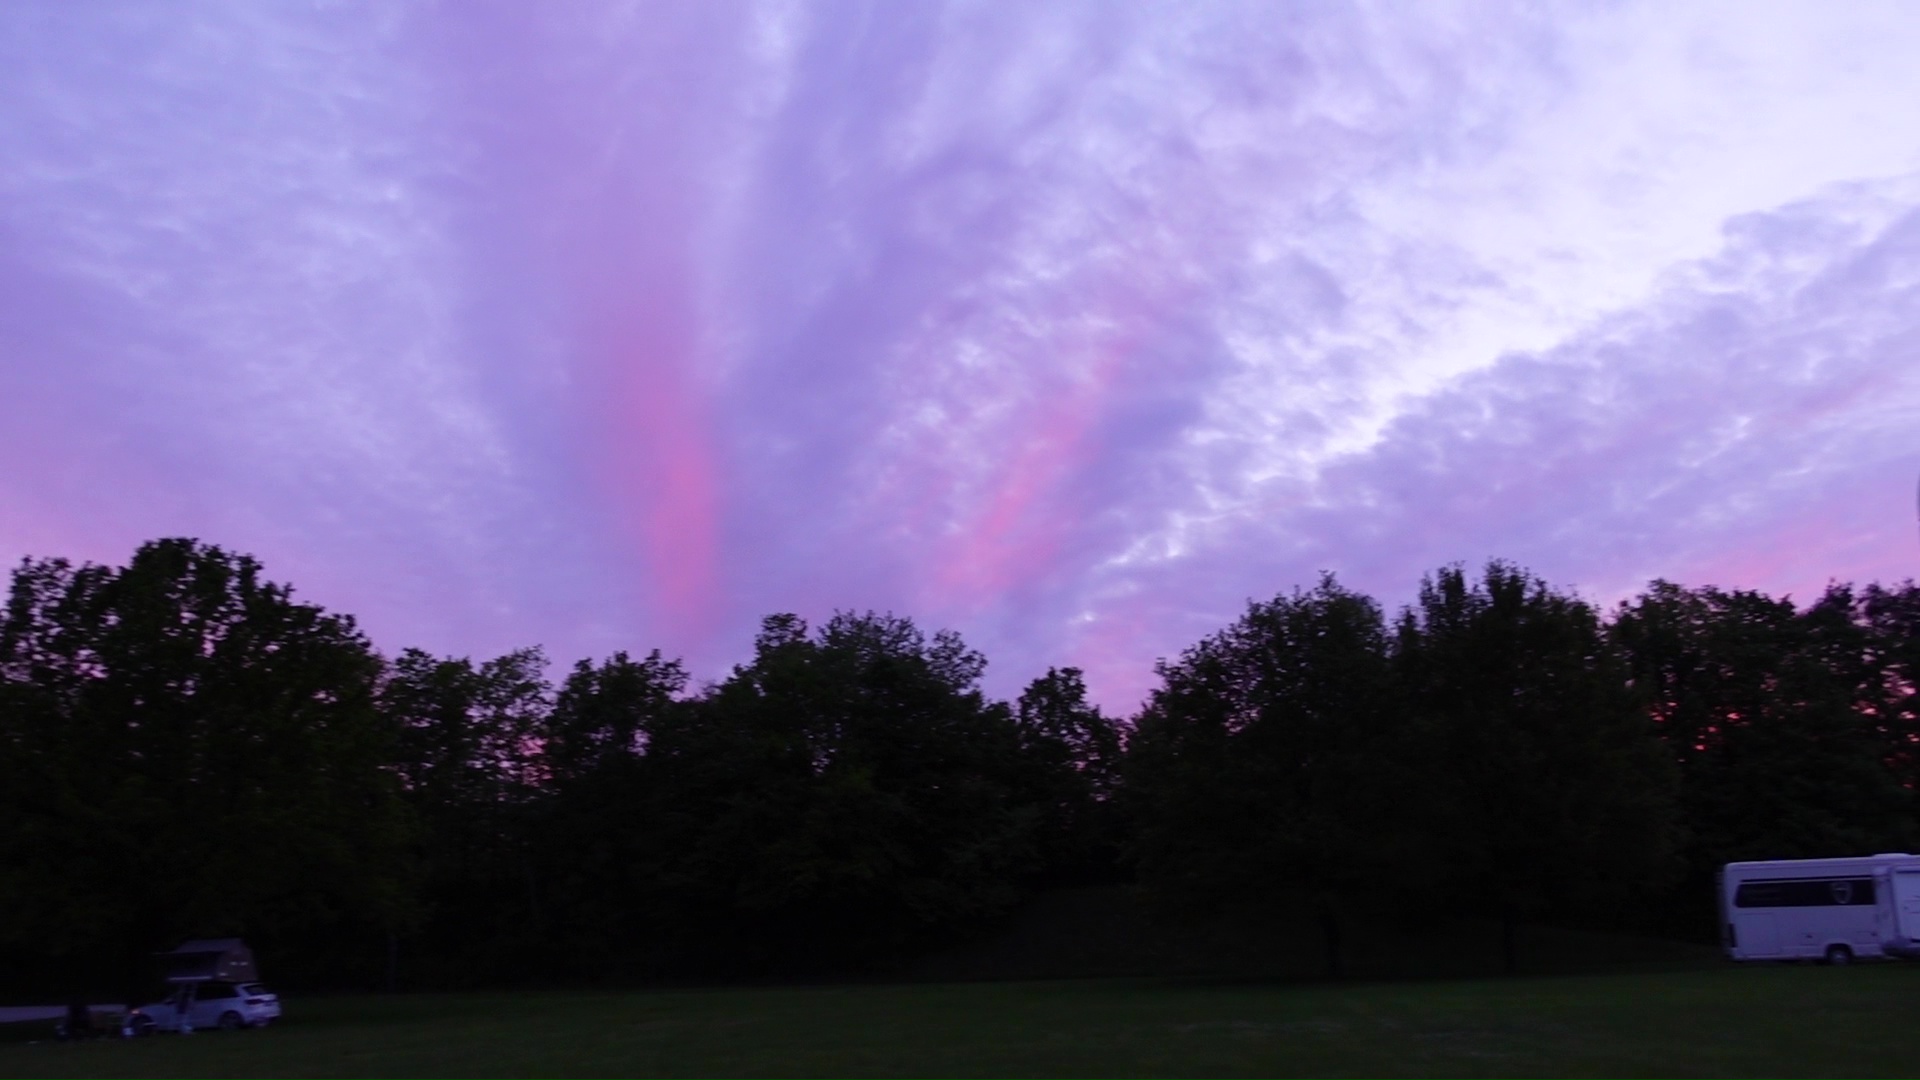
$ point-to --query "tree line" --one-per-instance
(188, 750)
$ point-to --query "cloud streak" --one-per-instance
(1070, 326)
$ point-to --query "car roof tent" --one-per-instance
(227, 959)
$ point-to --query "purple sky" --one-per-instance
(1068, 326)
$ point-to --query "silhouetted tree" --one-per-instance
(1070, 757)
(837, 798)
(595, 831)
(1550, 792)
(189, 750)
(470, 761)
(1892, 619)
(1786, 725)
(1265, 763)
(604, 714)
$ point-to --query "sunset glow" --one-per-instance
(1068, 326)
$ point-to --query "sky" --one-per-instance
(1072, 327)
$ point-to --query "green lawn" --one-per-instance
(1723, 1021)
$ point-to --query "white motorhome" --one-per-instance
(1899, 904)
(1835, 910)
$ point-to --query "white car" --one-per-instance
(225, 1005)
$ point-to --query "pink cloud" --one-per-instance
(1016, 534)
(620, 326)
(660, 466)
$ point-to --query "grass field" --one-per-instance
(1721, 1021)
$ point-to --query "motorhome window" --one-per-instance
(1805, 892)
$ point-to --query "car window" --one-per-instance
(251, 989)
(216, 991)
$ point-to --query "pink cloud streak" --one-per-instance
(1070, 326)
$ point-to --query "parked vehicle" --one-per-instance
(214, 1003)
(226, 959)
(1832, 910)
(1898, 890)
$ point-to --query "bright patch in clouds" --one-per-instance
(1070, 326)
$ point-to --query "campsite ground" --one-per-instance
(1717, 1020)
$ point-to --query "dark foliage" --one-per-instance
(470, 763)
(187, 750)
(1793, 730)
(1546, 793)
(837, 800)
(1263, 765)
(1068, 771)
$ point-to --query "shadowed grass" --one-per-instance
(1750, 1021)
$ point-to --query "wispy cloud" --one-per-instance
(1072, 326)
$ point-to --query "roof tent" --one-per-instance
(227, 959)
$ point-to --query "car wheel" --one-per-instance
(1839, 954)
(231, 1021)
